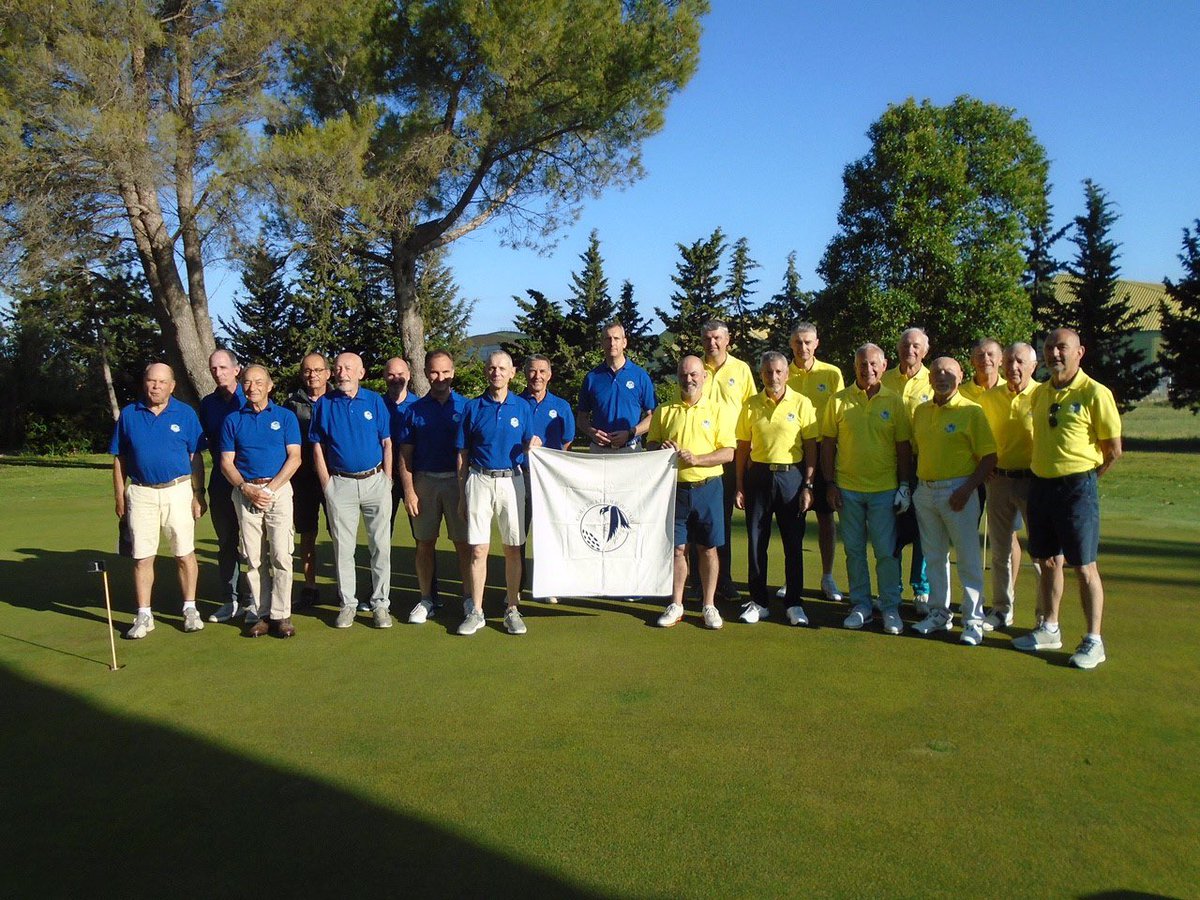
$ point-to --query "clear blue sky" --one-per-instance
(785, 92)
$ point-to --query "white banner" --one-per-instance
(603, 524)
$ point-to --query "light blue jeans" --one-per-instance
(869, 516)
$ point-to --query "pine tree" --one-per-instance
(263, 330)
(1040, 269)
(780, 314)
(642, 343)
(697, 300)
(446, 315)
(589, 306)
(742, 317)
(1103, 319)
(1181, 330)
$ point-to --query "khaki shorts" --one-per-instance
(499, 499)
(165, 510)
(437, 496)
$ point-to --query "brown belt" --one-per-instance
(165, 484)
(259, 480)
(359, 476)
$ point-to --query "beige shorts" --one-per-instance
(167, 511)
(437, 496)
(498, 499)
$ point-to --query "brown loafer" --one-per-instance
(284, 628)
(259, 628)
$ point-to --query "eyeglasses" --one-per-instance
(1054, 408)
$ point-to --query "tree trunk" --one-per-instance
(412, 324)
(106, 372)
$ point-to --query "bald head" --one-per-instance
(1063, 353)
(691, 378)
(397, 375)
(158, 383)
(945, 375)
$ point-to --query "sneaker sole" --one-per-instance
(1089, 665)
(669, 624)
(383, 624)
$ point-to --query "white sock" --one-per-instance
(145, 611)
(1095, 637)
(189, 604)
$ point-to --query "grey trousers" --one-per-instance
(1007, 502)
(345, 499)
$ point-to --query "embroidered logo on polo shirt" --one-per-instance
(367, 415)
(553, 414)
(629, 384)
(455, 417)
(791, 417)
(950, 428)
(732, 381)
(1076, 407)
(706, 424)
(514, 422)
(275, 426)
(924, 397)
(885, 415)
(822, 388)
(175, 428)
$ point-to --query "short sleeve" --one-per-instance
(829, 420)
(1105, 416)
(291, 428)
(228, 435)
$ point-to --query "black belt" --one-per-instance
(359, 476)
(1014, 473)
(165, 484)
(775, 467)
(692, 485)
(494, 473)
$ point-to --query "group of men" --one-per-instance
(913, 442)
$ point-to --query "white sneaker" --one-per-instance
(859, 616)
(364, 606)
(829, 588)
(513, 621)
(712, 618)
(1041, 638)
(227, 611)
(937, 620)
(997, 620)
(752, 612)
(972, 635)
(892, 623)
(797, 616)
(671, 615)
(192, 621)
(551, 599)
(421, 612)
(142, 626)
(782, 592)
(921, 604)
(472, 623)
(1089, 654)
(346, 614)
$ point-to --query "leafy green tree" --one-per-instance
(742, 317)
(932, 229)
(697, 299)
(1181, 330)
(1103, 317)
(132, 123)
(418, 123)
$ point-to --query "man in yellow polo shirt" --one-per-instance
(818, 381)
(955, 454)
(730, 383)
(698, 430)
(1076, 437)
(776, 453)
(1009, 415)
(867, 460)
(910, 379)
(986, 356)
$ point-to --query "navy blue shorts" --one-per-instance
(699, 517)
(1064, 518)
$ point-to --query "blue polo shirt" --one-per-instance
(259, 440)
(396, 413)
(156, 449)
(553, 420)
(495, 434)
(350, 430)
(431, 428)
(617, 400)
(213, 411)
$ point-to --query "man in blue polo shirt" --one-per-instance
(352, 452)
(307, 498)
(260, 451)
(553, 423)
(224, 401)
(617, 397)
(397, 376)
(157, 444)
(496, 430)
(429, 477)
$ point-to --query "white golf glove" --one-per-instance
(902, 500)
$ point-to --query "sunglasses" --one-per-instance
(1054, 408)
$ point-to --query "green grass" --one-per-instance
(597, 755)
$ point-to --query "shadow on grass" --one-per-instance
(49, 462)
(1161, 445)
(107, 803)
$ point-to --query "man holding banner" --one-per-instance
(702, 435)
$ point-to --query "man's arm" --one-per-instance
(1111, 449)
(741, 457)
(387, 457)
(718, 457)
(411, 504)
(959, 498)
(904, 462)
(833, 494)
(229, 470)
(199, 505)
(319, 465)
(119, 485)
(290, 465)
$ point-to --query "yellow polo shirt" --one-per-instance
(867, 431)
(776, 432)
(1086, 415)
(701, 429)
(915, 389)
(818, 384)
(1010, 416)
(731, 385)
(973, 392)
(949, 440)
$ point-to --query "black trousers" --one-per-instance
(774, 494)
